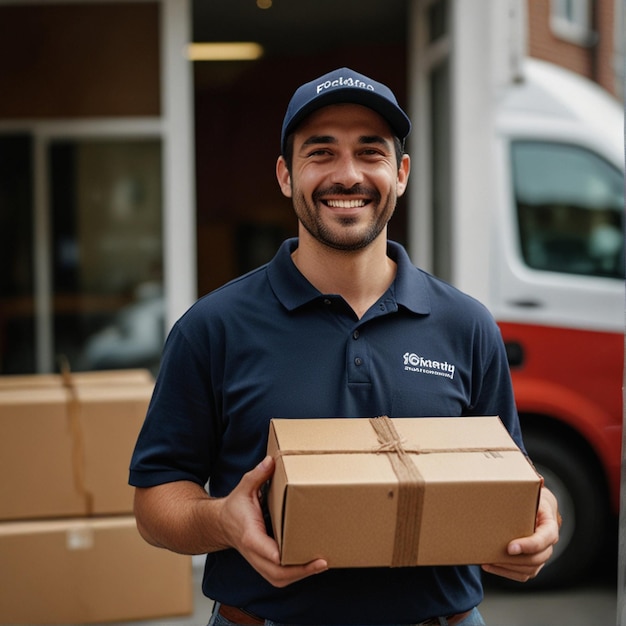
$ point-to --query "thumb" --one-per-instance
(257, 477)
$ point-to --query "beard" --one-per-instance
(345, 233)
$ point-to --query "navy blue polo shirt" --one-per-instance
(268, 345)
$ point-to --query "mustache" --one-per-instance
(340, 190)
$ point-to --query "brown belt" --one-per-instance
(239, 616)
(452, 619)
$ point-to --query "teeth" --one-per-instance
(345, 204)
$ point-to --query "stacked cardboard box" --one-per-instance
(84, 570)
(69, 547)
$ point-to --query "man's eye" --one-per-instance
(319, 152)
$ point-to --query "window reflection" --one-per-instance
(107, 252)
(570, 210)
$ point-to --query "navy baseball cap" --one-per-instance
(344, 86)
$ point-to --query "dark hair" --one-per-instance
(398, 145)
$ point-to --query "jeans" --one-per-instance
(473, 619)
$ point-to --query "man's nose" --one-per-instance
(347, 172)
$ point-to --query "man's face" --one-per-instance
(344, 180)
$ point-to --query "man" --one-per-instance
(320, 331)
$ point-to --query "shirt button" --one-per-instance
(381, 306)
(327, 301)
(355, 334)
(358, 361)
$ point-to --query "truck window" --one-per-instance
(570, 209)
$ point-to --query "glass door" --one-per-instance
(83, 253)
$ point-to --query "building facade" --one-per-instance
(133, 180)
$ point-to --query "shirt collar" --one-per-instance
(293, 290)
(410, 283)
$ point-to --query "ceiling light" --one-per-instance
(225, 51)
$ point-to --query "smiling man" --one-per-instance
(345, 184)
(329, 328)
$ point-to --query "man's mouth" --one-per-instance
(345, 204)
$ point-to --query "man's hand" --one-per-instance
(241, 519)
(528, 555)
(181, 517)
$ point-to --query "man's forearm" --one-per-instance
(179, 516)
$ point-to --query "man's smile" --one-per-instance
(345, 203)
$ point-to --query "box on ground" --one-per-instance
(88, 570)
(399, 492)
(100, 377)
(65, 452)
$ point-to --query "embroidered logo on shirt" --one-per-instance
(416, 363)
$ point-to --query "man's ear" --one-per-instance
(283, 176)
(403, 174)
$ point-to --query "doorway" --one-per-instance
(241, 215)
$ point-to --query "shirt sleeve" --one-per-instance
(179, 437)
(493, 388)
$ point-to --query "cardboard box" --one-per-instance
(103, 377)
(398, 492)
(81, 571)
(65, 452)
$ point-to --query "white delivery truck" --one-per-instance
(556, 288)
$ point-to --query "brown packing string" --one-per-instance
(410, 492)
(77, 436)
(492, 450)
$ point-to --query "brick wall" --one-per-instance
(594, 61)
